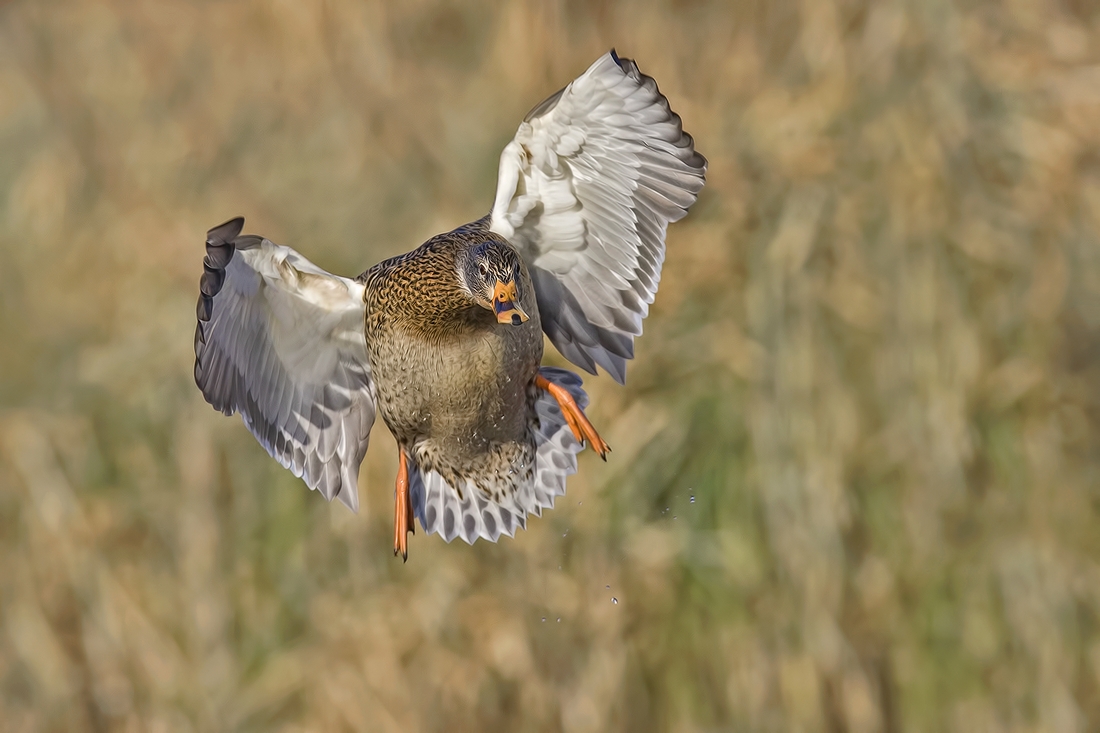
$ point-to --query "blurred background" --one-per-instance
(856, 478)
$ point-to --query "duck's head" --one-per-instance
(491, 273)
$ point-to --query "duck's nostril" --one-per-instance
(516, 319)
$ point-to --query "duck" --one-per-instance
(446, 341)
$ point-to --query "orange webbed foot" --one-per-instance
(582, 429)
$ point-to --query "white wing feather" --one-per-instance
(281, 341)
(585, 191)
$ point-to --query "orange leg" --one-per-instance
(574, 416)
(402, 510)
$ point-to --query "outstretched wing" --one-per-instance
(281, 341)
(586, 191)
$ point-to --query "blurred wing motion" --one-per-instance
(281, 341)
(585, 191)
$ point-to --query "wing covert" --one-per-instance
(281, 341)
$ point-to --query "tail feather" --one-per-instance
(440, 510)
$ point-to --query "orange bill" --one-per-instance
(505, 305)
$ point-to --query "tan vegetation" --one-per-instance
(856, 474)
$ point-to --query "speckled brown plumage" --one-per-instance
(454, 386)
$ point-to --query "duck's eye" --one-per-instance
(483, 269)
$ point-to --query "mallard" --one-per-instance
(446, 340)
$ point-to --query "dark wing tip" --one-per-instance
(219, 252)
(213, 276)
(225, 233)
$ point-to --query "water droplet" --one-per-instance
(608, 587)
(693, 499)
(615, 600)
(673, 516)
(544, 619)
(579, 503)
(559, 619)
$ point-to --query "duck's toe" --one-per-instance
(578, 422)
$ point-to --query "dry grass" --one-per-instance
(857, 466)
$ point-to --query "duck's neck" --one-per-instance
(432, 300)
(443, 318)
